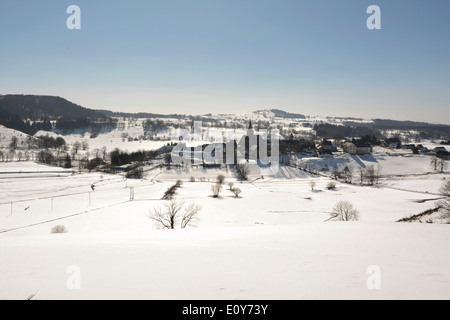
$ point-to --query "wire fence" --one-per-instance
(33, 211)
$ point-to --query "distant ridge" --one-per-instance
(283, 114)
(403, 125)
(140, 114)
(31, 113)
(39, 108)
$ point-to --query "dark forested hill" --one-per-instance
(427, 130)
(31, 113)
(37, 108)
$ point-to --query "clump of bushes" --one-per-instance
(170, 192)
(135, 173)
(331, 186)
(59, 229)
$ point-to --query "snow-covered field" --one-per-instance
(390, 163)
(270, 243)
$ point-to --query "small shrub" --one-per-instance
(216, 189)
(191, 179)
(59, 229)
(230, 185)
(220, 179)
(331, 186)
(236, 192)
(418, 217)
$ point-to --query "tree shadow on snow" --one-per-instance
(367, 157)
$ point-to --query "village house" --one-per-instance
(357, 147)
(327, 145)
(393, 143)
(439, 150)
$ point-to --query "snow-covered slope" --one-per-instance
(307, 261)
(390, 163)
(7, 134)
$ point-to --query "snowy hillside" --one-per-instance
(391, 164)
(275, 240)
(6, 136)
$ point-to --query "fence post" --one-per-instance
(131, 193)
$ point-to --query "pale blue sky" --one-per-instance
(219, 56)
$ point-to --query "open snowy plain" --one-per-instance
(270, 243)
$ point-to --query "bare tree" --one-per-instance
(170, 215)
(216, 189)
(243, 170)
(14, 143)
(104, 152)
(362, 174)
(378, 173)
(167, 159)
(85, 145)
(75, 148)
(96, 153)
(370, 175)
(344, 211)
(445, 189)
(312, 184)
(434, 162)
(442, 164)
(220, 179)
(189, 217)
(444, 203)
(336, 173)
(347, 173)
